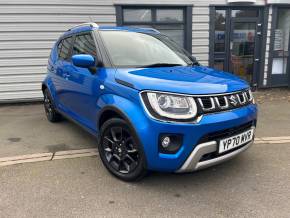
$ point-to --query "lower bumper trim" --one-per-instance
(193, 163)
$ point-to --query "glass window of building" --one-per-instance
(281, 42)
(170, 21)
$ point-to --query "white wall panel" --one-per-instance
(23, 62)
(55, 18)
(28, 70)
(29, 36)
(53, 9)
(13, 87)
(200, 42)
(57, 2)
(39, 27)
(21, 78)
(20, 96)
(200, 18)
(43, 53)
(200, 34)
(6, 45)
(201, 49)
(28, 30)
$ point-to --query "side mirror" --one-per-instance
(84, 60)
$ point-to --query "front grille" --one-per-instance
(216, 136)
(216, 103)
(207, 103)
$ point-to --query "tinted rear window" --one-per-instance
(64, 48)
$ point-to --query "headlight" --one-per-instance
(172, 106)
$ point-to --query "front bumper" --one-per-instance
(193, 162)
(209, 129)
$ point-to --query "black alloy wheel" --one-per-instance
(51, 114)
(120, 151)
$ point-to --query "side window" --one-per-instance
(64, 50)
(59, 48)
(84, 44)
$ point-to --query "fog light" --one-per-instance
(169, 143)
(165, 142)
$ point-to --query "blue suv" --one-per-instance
(149, 103)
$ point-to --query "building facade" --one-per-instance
(249, 38)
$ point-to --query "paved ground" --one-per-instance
(25, 130)
(274, 112)
(255, 184)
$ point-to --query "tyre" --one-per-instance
(51, 114)
(121, 151)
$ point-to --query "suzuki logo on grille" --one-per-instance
(233, 100)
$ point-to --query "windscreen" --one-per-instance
(136, 49)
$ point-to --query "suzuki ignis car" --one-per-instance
(149, 103)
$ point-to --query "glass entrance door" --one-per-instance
(242, 49)
(236, 41)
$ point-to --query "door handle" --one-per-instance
(66, 75)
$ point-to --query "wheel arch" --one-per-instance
(43, 87)
(111, 111)
(108, 110)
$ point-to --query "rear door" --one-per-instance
(61, 75)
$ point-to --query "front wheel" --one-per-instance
(120, 150)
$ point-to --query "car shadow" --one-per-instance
(207, 178)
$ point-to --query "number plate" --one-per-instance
(235, 141)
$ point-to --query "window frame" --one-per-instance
(187, 19)
(272, 54)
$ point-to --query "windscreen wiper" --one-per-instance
(161, 65)
(196, 63)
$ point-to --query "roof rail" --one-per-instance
(91, 24)
(149, 28)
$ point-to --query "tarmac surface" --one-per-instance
(254, 184)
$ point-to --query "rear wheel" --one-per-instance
(51, 114)
(121, 151)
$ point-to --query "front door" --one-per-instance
(237, 40)
(83, 89)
